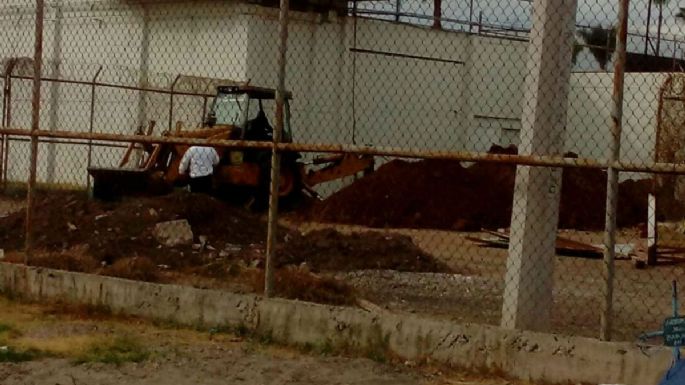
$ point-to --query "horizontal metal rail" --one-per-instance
(112, 85)
(405, 56)
(465, 156)
(73, 142)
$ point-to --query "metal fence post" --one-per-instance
(3, 137)
(35, 123)
(54, 91)
(171, 101)
(91, 123)
(204, 110)
(612, 173)
(8, 121)
(275, 155)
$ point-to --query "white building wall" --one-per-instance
(497, 70)
(399, 101)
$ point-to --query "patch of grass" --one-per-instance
(378, 347)
(4, 328)
(242, 330)
(115, 351)
(81, 311)
(10, 354)
(7, 333)
(326, 348)
(266, 338)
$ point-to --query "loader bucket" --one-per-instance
(113, 183)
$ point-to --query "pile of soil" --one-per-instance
(75, 233)
(443, 194)
(328, 250)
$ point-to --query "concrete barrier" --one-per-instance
(525, 355)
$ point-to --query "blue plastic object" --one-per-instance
(675, 375)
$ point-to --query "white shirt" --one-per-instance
(201, 161)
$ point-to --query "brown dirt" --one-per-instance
(443, 194)
(300, 284)
(78, 234)
(371, 250)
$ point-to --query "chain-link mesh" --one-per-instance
(448, 158)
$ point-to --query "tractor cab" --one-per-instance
(249, 111)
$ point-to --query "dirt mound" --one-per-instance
(328, 250)
(443, 194)
(111, 231)
(78, 234)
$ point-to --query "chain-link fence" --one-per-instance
(451, 158)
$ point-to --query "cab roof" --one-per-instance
(252, 91)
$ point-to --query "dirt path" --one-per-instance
(58, 345)
(210, 366)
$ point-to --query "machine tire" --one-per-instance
(288, 197)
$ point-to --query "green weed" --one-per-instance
(115, 351)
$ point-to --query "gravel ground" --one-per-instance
(180, 356)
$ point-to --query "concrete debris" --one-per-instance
(71, 226)
(173, 233)
(152, 212)
(203, 241)
(197, 246)
(564, 246)
(256, 263)
(2, 254)
(98, 217)
(621, 250)
(224, 254)
(231, 248)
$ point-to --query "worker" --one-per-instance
(201, 161)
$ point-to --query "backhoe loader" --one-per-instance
(237, 113)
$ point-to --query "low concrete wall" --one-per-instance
(526, 355)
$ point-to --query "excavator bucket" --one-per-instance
(111, 183)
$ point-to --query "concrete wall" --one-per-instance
(525, 355)
(464, 93)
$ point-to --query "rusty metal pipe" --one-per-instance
(204, 110)
(272, 219)
(71, 142)
(112, 85)
(92, 122)
(654, 246)
(8, 121)
(171, 101)
(526, 160)
(606, 319)
(35, 123)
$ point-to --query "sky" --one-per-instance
(516, 13)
